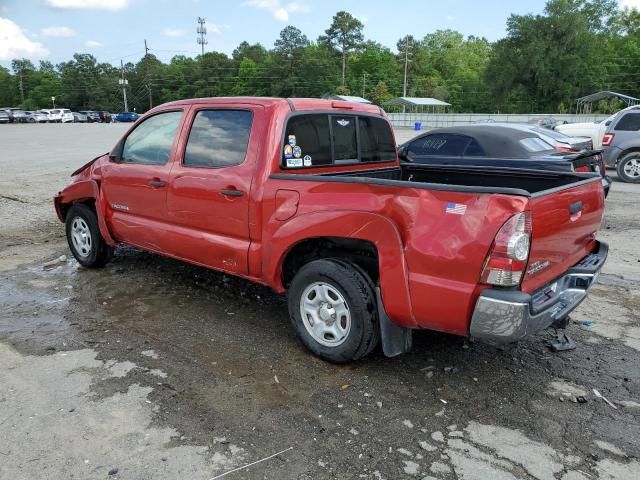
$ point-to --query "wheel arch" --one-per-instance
(369, 240)
(87, 192)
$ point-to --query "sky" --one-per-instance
(112, 30)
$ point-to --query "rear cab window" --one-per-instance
(325, 139)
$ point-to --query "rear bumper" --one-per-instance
(606, 184)
(504, 316)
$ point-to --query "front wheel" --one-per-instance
(83, 236)
(333, 311)
(628, 168)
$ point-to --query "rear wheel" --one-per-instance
(83, 236)
(333, 311)
(628, 168)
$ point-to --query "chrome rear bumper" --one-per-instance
(503, 316)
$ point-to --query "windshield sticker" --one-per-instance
(292, 140)
(294, 162)
(343, 123)
(307, 160)
(297, 151)
(288, 151)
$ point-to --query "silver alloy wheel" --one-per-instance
(325, 314)
(81, 237)
(632, 168)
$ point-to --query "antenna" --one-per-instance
(202, 33)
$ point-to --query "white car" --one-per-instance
(66, 115)
(594, 130)
(53, 115)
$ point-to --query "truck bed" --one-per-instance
(528, 183)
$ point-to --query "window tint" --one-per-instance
(439, 144)
(535, 144)
(152, 139)
(474, 149)
(629, 122)
(345, 145)
(376, 140)
(307, 141)
(324, 139)
(218, 138)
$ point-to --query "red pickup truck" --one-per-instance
(308, 197)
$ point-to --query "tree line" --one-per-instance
(545, 62)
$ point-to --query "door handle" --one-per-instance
(231, 192)
(157, 183)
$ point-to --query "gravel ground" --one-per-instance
(151, 368)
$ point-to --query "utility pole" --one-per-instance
(124, 84)
(406, 66)
(202, 32)
(146, 68)
(364, 82)
(21, 87)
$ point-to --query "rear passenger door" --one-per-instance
(210, 188)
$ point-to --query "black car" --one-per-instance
(497, 146)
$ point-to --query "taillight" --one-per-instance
(563, 149)
(507, 260)
(607, 139)
(584, 168)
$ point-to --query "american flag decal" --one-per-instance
(456, 208)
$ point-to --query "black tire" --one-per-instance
(355, 288)
(630, 161)
(95, 253)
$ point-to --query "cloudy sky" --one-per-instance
(113, 29)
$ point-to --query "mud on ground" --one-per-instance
(151, 368)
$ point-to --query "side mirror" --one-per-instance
(607, 123)
(115, 155)
(403, 152)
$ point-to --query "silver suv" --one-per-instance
(621, 145)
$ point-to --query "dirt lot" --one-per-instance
(151, 368)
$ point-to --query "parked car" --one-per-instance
(594, 130)
(53, 115)
(105, 117)
(498, 146)
(66, 115)
(79, 117)
(16, 115)
(546, 122)
(559, 141)
(37, 117)
(621, 143)
(4, 117)
(308, 197)
(91, 115)
(127, 117)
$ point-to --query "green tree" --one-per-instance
(380, 93)
(344, 34)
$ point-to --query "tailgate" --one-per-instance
(564, 226)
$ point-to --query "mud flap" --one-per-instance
(395, 340)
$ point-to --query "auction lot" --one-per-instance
(151, 368)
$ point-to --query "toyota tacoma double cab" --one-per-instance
(309, 198)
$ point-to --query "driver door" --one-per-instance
(135, 183)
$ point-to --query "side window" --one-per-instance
(474, 149)
(218, 138)
(376, 140)
(439, 144)
(629, 122)
(307, 141)
(152, 139)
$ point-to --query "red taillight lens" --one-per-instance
(584, 168)
(563, 149)
(509, 253)
(607, 139)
